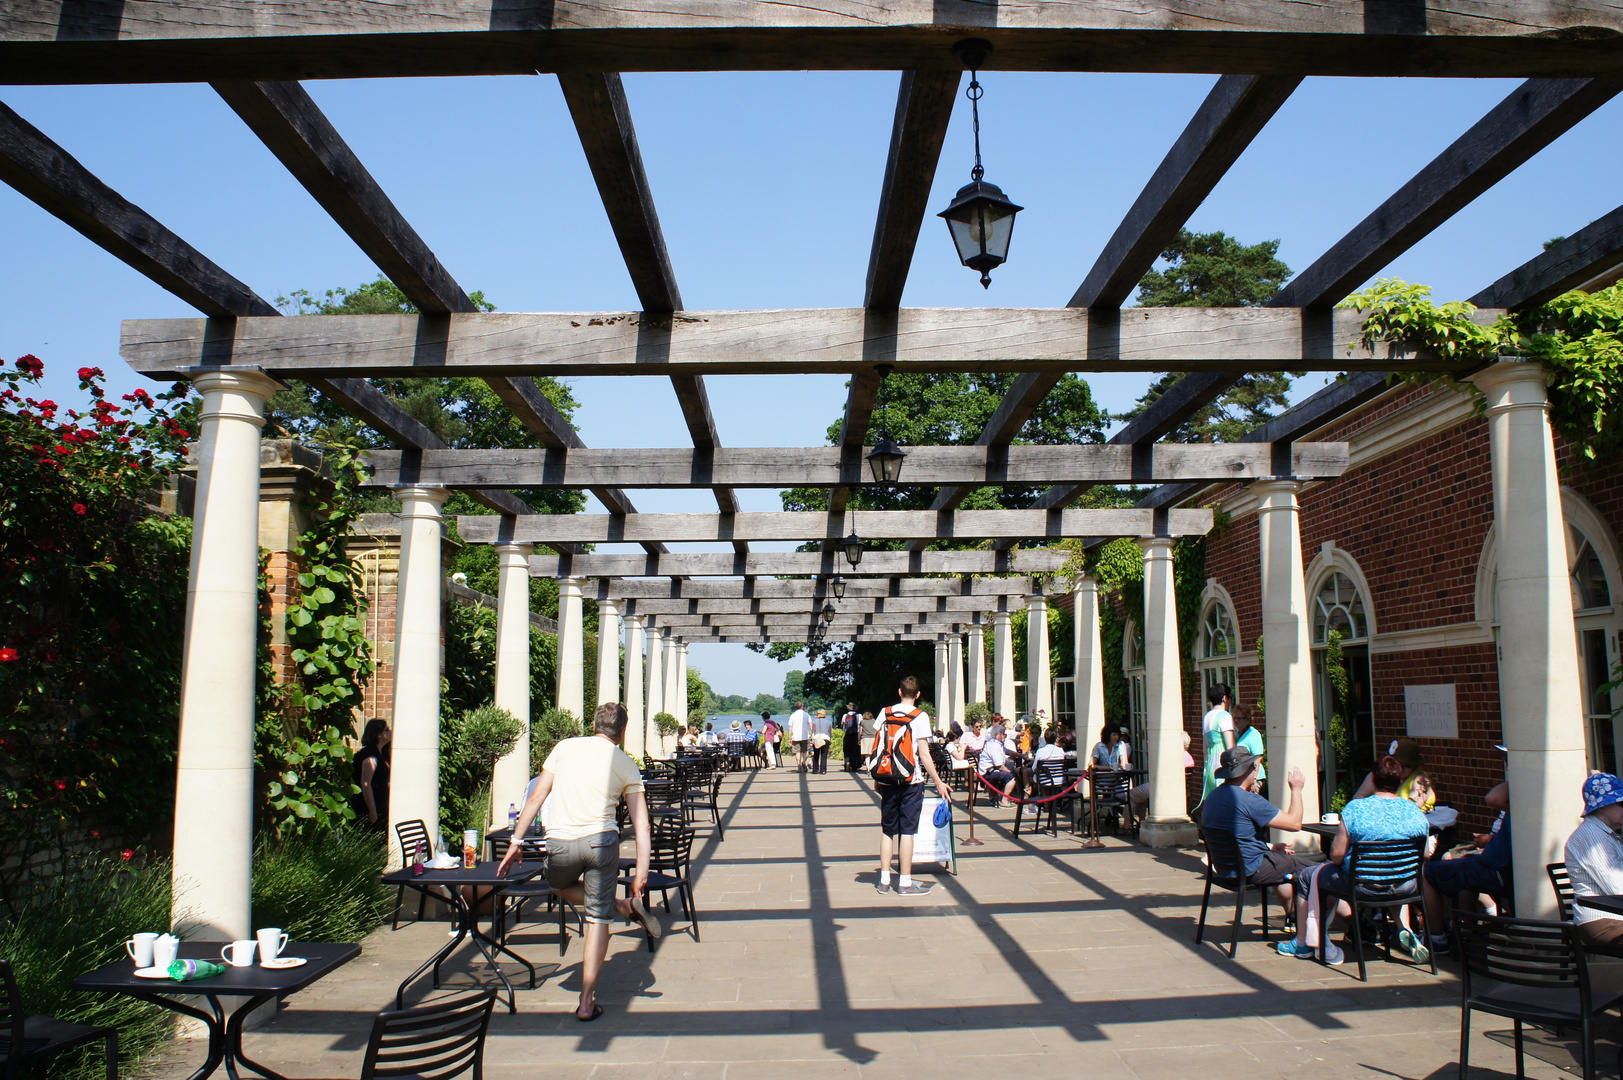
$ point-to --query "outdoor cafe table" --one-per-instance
(1612, 905)
(450, 883)
(257, 984)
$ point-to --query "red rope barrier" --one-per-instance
(1028, 802)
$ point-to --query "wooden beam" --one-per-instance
(873, 525)
(781, 467)
(745, 634)
(1534, 115)
(52, 178)
(773, 588)
(924, 102)
(941, 620)
(801, 563)
(65, 41)
(1564, 266)
(810, 606)
(1233, 113)
(770, 342)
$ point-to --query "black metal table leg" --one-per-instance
(233, 1038)
(217, 1039)
(439, 957)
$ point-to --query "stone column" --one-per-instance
(571, 649)
(943, 692)
(1539, 698)
(975, 685)
(608, 651)
(414, 778)
(655, 690)
(671, 681)
(513, 668)
(1039, 679)
(1090, 674)
(1168, 824)
(955, 677)
(1291, 735)
(636, 715)
(214, 774)
(680, 698)
(1002, 666)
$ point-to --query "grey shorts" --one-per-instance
(594, 862)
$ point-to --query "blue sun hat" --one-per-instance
(1602, 789)
(943, 809)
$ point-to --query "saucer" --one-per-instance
(152, 973)
(282, 963)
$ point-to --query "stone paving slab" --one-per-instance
(1038, 956)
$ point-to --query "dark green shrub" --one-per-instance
(321, 886)
(554, 727)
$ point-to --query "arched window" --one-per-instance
(1338, 606)
(1132, 665)
(1218, 648)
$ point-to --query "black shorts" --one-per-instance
(899, 806)
(1278, 867)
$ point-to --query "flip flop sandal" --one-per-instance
(597, 1011)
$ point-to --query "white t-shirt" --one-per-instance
(589, 776)
(1218, 719)
(799, 726)
(1595, 865)
(920, 725)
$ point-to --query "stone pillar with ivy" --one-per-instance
(1291, 736)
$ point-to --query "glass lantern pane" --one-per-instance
(965, 237)
(1000, 228)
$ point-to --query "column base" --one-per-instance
(1166, 834)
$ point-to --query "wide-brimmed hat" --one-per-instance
(1407, 750)
(1602, 789)
(1237, 761)
(737, 726)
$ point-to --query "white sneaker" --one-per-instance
(1332, 953)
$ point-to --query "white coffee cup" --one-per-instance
(140, 949)
(1331, 819)
(271, 943)
(164, 950)
(239, 953)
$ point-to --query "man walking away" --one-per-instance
(586, 777)
(901, 758)
(821, 735)
(851, 733)
(800, 734)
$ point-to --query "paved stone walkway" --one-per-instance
(1038, 957)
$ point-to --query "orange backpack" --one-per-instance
(894, 758)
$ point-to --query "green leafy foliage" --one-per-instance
(665, 723)
(554, 727)
(1578, 337)
(471, 742)
(321, 886)
(977, 712)
(91, 610)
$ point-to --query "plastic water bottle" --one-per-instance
(512, 816)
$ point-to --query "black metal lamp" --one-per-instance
(852, 546)
(980, 218)
(838, 585)
(886, 460)
(828, 613)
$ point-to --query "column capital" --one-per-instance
(243, 380)
(999, 617)
(632, 621)
(608, 606)
(1514, 383)
(570, 584)
(507, 550)
(1276, 493)
(1156, 547)
(422, 502)
(1085, 584)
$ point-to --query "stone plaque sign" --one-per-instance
(1431, 712)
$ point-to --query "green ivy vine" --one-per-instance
(1578, 337)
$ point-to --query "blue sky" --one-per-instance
(766, 185)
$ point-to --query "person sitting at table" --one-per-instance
(1235, 807)
(1595, 860)
(994, 765)
(974, 739)
(1111, 751)
(956, 754)
(1246, 735)
(1462, 879)
(685, 739)
(1140, 795)
(1406, 750)
(707, 737)
(736, 741)
(586, 777)
(1386, 815)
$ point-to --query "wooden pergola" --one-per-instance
(253, 53)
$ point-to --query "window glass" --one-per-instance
(1217, 637)
(1589, 589)
(1338, 607)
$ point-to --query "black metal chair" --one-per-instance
(30, 1041)
(1112, 794)
(1373, 866)
(669, 869)
(432, 1042)
(510, 901)
(1562, 884)
(1048, 780)
(1536, 974)
(701, 790)
(1225, 868)
(411, 834)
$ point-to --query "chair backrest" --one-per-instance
(1051, 774)
(1385, 862)
(1523, 952)
(11, 1019)
(411, 833)
(1223, 859)
(433, 1042)
(535, 847)
(671, 845)
(1562, 884)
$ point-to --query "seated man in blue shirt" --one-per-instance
(1234, 806)
(1461, 880)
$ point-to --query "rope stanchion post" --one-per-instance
(1093, 840)
(970, 840)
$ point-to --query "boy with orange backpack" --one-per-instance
(899, 760)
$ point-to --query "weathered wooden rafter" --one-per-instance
(875, 525)
(1565, 265)
(962, 607)
(63, 41)
(721, 635)
(801, 564)
(832, 340)
(943, 621)
(818, 589)
(780, 467)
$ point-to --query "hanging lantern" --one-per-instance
(886, 460)
(980, 218)
(838, 585)
(852, 546)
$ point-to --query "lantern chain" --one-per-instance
(975, 92)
